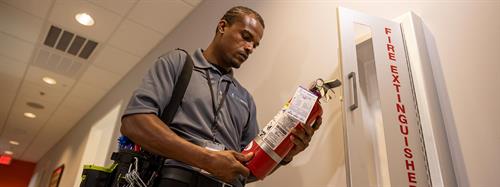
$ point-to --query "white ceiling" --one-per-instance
(126, 31)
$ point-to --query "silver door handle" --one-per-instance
(355, 90)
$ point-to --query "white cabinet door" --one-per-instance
(383, 135)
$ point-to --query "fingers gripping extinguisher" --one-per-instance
(273, 142)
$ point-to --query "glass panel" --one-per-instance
(369, 98)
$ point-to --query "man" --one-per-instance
(217, 116)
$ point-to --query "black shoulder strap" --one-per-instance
(179, 90)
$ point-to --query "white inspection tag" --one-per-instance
(301, 105)
(213, 146)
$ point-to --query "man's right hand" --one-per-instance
(227, 165)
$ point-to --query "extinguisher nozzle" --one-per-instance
(323, 87)
(332, 84)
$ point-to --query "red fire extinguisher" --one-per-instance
(273, 142)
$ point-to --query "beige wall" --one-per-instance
(76, 149)
(300, 44)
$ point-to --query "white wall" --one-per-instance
(300, 44)
(76, 148)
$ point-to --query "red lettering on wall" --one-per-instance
(404, 129)
(402, 119)
(387, 31)
(392, 56)
(395, 78)
(397, 87)
(408, 153)
(394, 69)
(412, 178)
(410, 165)
(390, 47)
(401, 110)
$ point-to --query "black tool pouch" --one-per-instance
(147, 166)
(96, 176)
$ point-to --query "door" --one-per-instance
(384, 145)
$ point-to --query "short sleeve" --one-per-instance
(156, 88)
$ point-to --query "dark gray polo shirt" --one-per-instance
(236, 123)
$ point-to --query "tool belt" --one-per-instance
(139, 169)
(187, 177)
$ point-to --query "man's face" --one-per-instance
(239, 40)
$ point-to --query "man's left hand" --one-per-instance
(301, 138)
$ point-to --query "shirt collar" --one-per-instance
(199, 61)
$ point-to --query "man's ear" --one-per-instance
(221, 27)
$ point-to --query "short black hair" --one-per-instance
(237, 12)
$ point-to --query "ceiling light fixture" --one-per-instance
(29, 115)
(84, 19)
(8, 152)
(49, 80)
(14, 142)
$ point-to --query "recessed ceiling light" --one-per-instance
(49, 80)
(8, 152)
(14, 142)
(84, 19)
(29, 115)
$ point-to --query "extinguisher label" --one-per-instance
(277, 129)
(287, 118)
(301, 105)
